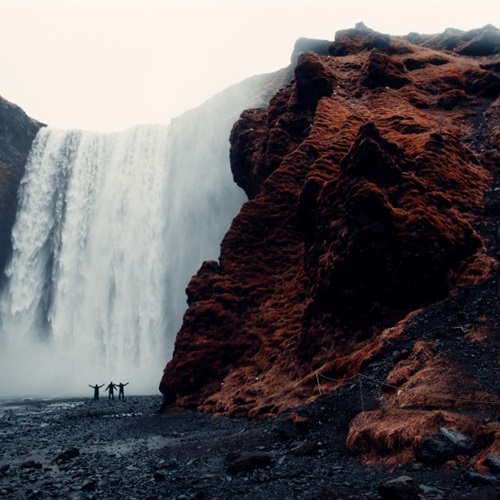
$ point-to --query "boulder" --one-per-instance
(401, 488)
(493, 463)
(31, 464)
(68, 454)
(247, 462)
(445, 445)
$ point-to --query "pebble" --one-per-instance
(140, 458)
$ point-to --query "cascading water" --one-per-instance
(86, 276)
(109, 230)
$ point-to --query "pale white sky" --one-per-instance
(108, 65)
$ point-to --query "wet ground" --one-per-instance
(82, 449)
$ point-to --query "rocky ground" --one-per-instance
(360, 281)
(369, 249)
(373, 189)
(79, 449)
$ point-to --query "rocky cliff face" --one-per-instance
(367, 253)
(17, 132)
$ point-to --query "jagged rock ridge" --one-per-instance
(372, 207)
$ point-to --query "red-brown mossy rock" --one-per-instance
(217, 309)
(382, 70)
(248, 134)
(482, 82)
(427, 380)
(473, 82)
(450, 99)
(492, 65)
(362, 38)
(312, 79)
(428, 390)
(411, 63)
(366, 179)
(262, 138)
(394, 436)
(394, 238)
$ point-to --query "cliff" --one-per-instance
(367, 254)
(17, 132)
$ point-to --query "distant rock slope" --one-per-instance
(369, 245)
(17, 131)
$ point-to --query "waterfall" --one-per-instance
(109, 230)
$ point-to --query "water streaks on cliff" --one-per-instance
(110, 229)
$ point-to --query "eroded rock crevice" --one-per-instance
(371, 180)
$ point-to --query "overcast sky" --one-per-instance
(108, 65)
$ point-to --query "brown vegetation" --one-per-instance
(372, 207)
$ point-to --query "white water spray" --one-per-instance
(110, 228)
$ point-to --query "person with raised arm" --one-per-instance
(96, 390)
(111, 388)
(120, 390)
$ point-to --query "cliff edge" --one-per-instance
(367, 254)
(17, 132)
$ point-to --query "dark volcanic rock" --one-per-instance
(128, 450)
(442, 446)
(401, 488)
(31, 464)
(477, 478)
(89, 485)
(304, 449)
(481, 42)
(68, 454)
(361, 38)
(493, 463)
(247, 462)
(320, 47)
(371, 229)
(292, 426)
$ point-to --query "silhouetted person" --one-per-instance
(120, 390)
(111, 388)
(96, 390)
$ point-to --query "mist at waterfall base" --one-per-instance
(109, 230)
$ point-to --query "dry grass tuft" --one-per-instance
(426, 380)
(392, 437)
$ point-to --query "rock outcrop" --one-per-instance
(17, 132)
(368, 247)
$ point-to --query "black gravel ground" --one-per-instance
(85, 449)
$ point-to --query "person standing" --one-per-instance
(96, 391)
(120, 390)
(111, 388)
